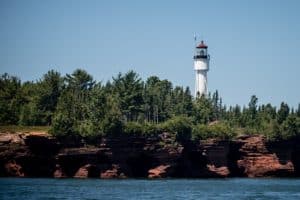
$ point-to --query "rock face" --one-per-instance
(58, 173)
(11, 138)
(257, 160)
(40, 155)
(83, 172)
(161, 171)
(13, 169)
(114, 172)
(219, 171)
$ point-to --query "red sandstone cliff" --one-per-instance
(258, 159)
(40, 155)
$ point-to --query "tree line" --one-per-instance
(77, 106)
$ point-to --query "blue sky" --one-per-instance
(254, 45)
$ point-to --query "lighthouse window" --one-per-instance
(202, 53)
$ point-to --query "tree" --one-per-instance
(253, 106)
(203, 110)
(250, 114)
(10, 100)
(97, 105)
(49, 90)
(290, 127)
(112, 123)
(187, 102)
(283, 112)
(64, 119)
(218, 108)
(79, 80)
(77, 107)
(29, 113)
(234, 116)
(298, 110)
(73, 114)
(150, 99)
(268, 112)
(158, 99)
(181, 102)
(129, 89)
(180, 126)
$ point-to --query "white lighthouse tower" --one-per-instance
(201, 66)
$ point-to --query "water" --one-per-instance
(90, 189)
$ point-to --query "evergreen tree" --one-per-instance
(10, 99)
(48, 92)
(283, 112)
(129, 89)
(73, 114)
(181, 102)
(29, 113)
(158, 98)
(203, 110)
(298, 110)
(112, 123)
(216, 105)
(290, 127)
(251, 113)
(77, 107)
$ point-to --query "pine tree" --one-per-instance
(283, 112)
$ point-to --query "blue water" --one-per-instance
(90, 189)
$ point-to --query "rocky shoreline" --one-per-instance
(40, 155)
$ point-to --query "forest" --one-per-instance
(75, 106)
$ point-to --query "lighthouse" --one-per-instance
(201, 67)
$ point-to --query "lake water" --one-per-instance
(25, 188)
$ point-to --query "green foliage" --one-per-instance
(112, 123)
(63, 126)
(217, 107)
(28, 114)
(158, 100)
(72, 116)
(203, 110)
(129, 89)
(250, 117)
(10, 99)
(181, 102)
(298, 111)
(291, 127)
(133, 128)
(181, 126)
(218, 130)
(273, 131)
(141, 129)
(86, 129)
(78, 108)
(283, 112)
(47, 94)
(150, 129)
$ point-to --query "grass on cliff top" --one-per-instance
(15, 129)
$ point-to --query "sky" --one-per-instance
(253, 44)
